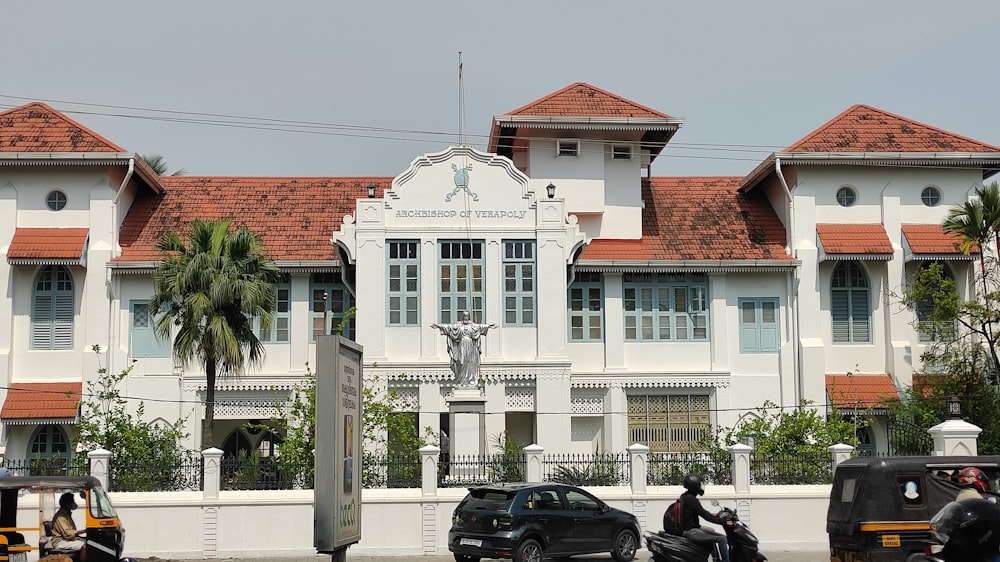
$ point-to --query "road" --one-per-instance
(643, 556)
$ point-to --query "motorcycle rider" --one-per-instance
(692, 510)
(969, 529)
(973, 482)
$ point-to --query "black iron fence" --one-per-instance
(669, 469)
(597, 469)
(791, 469)
(405, 470)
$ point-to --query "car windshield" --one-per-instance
(488, 499)
(100, 505)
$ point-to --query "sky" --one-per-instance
(335, 88)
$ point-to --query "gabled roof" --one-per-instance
(53, 402)
(930, 241)
(860, 392)
(48, 245)
(583, 100)
(863, 128)
(698, 219)
(863, 135)
(36, 127)
(854, 241)
(295, 217)
(580, 107)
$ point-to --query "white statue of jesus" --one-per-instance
(464, 349)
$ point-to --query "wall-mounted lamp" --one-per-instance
(551, 190)
(371, 191)
(954, 408)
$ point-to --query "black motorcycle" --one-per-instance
(666, 547)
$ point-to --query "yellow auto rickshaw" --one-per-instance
(21, 533)
(880, 507)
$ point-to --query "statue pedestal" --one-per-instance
(467, 419)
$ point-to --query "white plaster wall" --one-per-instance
(262, 524)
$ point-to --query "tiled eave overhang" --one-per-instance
(989, 161)
(84, 159)
(40, 421)
(824, 256)
(589, 123)
(651, 380)
(288, 266)
(909, 256)
(82, 261)
(672, 266)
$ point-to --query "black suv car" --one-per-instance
(528, 522)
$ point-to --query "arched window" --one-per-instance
(235, 443)
(866, 441)
(52, 309)
(850, 304)
(48, 442)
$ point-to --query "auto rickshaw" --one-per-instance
(104, 536)
(881, 507)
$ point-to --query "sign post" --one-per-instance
(337, 503)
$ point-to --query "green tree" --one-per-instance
(211, 287)
(798, 438)
(159, 165)
(148, 454)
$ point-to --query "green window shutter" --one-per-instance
(860, 316)
(749, 327)
(840, 311)
(41, 322)
(769, 325)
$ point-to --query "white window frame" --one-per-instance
(568, 147)
(519, 282)
(621, 152)
(281, 316)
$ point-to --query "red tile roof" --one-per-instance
(862, 128)
(584, 100)
(41, 400)
(295, 217)
(860, 391)
(854, 239)
(932, 239)
(48, 243)
(699, 218)
(36, 127)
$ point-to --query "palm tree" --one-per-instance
(968, 221)
(159, 165)
(211, 288)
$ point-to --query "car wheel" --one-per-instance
(625, 545)
(466, 558)
(529, 551)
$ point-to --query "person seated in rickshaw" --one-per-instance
(65, 536)
(974, 483)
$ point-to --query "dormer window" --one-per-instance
(570, 147)
(621, 152)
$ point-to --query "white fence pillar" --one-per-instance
(955, 437)
(740, 467)
(99, 459)
(839, 453)
(638, 455)
(429, 455)
(533, 463)
(213, 473)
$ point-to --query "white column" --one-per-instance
(429, 456)
(839, 453)
(213, 473)
(638, 454)
(741, 467)
(955, 437)
(533, 461)
(99, 459)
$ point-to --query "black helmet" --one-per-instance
(970, 530)
(692, 482)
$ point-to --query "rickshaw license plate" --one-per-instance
(890, 540)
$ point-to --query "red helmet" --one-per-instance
(971, 476)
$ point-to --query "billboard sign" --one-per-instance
(337, 504)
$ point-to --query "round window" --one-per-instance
(846, 196)
(55, 200)
(930, 196)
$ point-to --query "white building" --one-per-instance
(629, 307)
